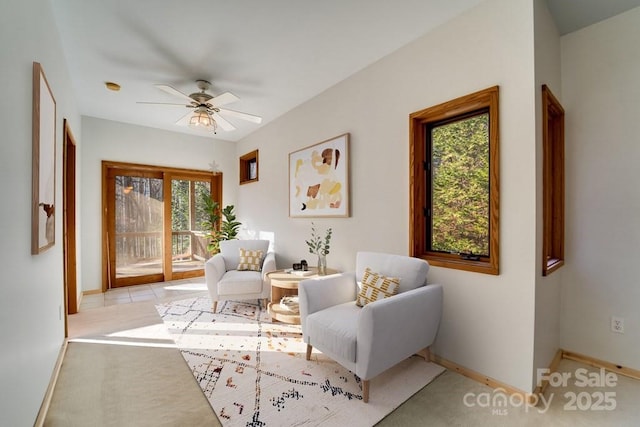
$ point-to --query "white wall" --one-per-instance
(601, 96)
(548, 289)
(488, 320)
(31, 288)
(121, 142)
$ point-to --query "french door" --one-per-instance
(152, 224)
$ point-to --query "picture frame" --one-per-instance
(319, 179)
(43, 163)
(253, 170)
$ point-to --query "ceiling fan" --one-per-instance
(206, 112)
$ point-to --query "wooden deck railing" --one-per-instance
(136, 246)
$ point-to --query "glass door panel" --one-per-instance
(146, 240)
(188, 241)
(138, 228)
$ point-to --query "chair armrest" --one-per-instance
(214, 269)
(392, 329)
(268, 265)
(319, 293)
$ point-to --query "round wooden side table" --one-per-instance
(285, 284)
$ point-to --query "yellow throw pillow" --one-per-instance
(250, 260)
(375, 287)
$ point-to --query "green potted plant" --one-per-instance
(320, 246)
(230, 226)
(210, 224)
(215, 232)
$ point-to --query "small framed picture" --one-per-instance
(253, 169)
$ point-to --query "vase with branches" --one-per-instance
(320, 246)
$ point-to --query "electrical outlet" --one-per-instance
(617, 324)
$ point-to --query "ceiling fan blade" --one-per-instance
(223, 99)
(172, 91)
(243, 116)
(184, 120)
(224, 124)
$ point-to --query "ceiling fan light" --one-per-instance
(201, 119)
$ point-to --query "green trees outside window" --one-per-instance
(460, 185)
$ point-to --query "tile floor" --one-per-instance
(153, 291)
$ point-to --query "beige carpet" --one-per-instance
(254, 372)
(126, 385)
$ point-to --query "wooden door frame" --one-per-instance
(109, 174)
(69, 165)
(108, 258)
(216, 189)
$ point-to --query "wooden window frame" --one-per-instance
(419, 184)
(245, 164)
(553, 188)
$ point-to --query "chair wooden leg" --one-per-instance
(309, 348)
(215, 306)
(365, 391)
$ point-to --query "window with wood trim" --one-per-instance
(552, 182)
(454, 183)
(249, 167)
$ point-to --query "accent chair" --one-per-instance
(239, 271)
(374, 318)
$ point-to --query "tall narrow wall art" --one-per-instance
(43, 231)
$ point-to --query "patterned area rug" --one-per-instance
(254, 372)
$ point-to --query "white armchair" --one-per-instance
(368, 340)
(225, 281)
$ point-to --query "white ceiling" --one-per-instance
(571, 15)
(272, 54)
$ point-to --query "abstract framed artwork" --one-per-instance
(43, 207)
(319, 179)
